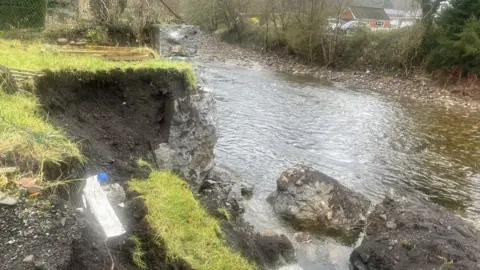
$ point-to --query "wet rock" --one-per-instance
(6, 200)
(192, 137)
(235, 199)
(207, 185)
(224, 188)
(247, 190)
(422, 229)
(176, 40)
(221, 189)
(311, 200)
(278, 248)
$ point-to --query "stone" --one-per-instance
(192, 138)
(207, 184)
(62, 41)
(235, 198)
(39, 264)
(417, 228)
(391, 225)
(63, 220)
(320, 203)
(28, 259)
(383, 216)
(6, 200)
(175, 40)
(276, 246)
(246, 190)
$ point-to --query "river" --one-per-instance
(269, 121)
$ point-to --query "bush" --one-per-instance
(460, 51)
(390, 50)
(305, 42)
(22, 13)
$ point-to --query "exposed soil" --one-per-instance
(117, 118)
(419, 86)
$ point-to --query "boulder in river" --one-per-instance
(410, 232)
(312, 200)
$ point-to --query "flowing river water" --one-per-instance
(269, 121)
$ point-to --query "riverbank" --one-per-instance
(92, 126)
(419, 87)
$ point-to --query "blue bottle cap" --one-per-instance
(102, 177)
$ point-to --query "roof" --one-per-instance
(369, 13)
(374, 3)
(368, 3)
(403, 13)
(387, 4)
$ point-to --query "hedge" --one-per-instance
(22, 13)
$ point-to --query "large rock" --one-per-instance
(175, 40)
(222, 191)
(191, 138)
(312, 200)
(224, 186)
(410, 232)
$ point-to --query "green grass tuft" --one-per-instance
(24, 131)
(138, 255)
(224, 212)
(186, 229)
(36, 56)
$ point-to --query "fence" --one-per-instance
(22, 13)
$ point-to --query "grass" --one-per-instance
(35, 56)
(24, 131)
(224, 212)
(138, 255)
(186, 229)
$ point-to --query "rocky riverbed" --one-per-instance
(404, 231)
(419, 87)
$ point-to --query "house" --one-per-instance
(401, 18)
(375, 16)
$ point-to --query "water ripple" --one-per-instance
(269, 121)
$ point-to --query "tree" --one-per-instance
(458, 52)
(457, 38)
(454, 18)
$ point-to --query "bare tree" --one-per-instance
(331, 40)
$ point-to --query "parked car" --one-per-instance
(334, 23)
(352, 26)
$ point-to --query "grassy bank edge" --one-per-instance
(35, 56)
(183, 225)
